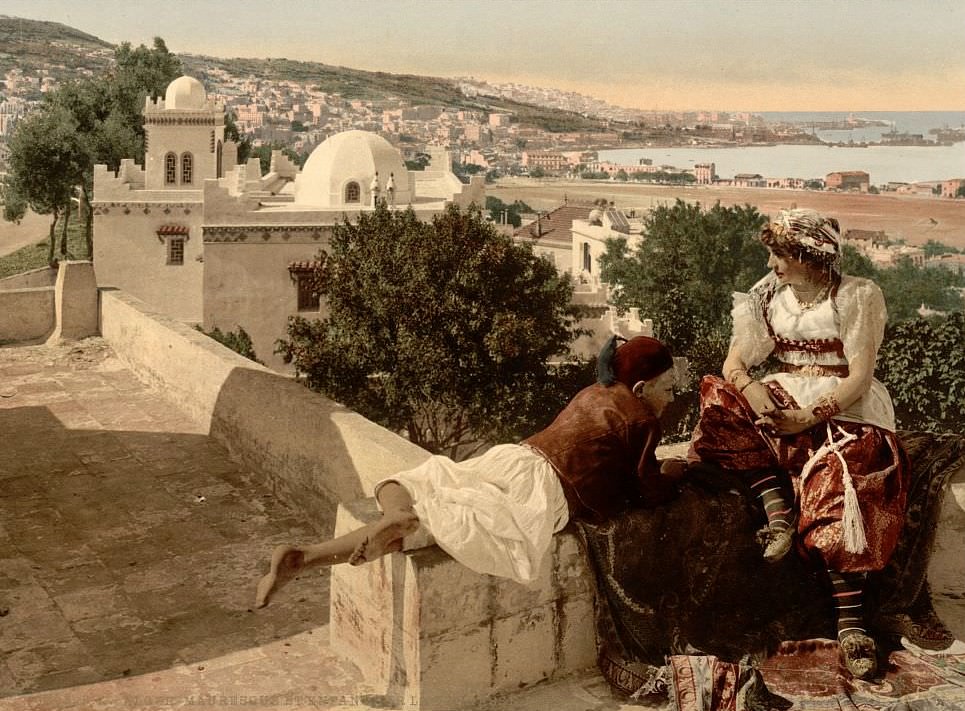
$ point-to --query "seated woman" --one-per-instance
(497, 513)
(816, 439)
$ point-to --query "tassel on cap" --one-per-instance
(604, 362)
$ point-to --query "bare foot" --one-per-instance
(385, 537)
(286, 562)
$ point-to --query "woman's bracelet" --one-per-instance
(740, 379)
(826, 407)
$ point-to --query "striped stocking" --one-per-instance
(767, 487)
(848, 594)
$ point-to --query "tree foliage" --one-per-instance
(684, 269)
(440, 329)
(934, 248)
(513, 211)
(140, 72)
(47, 158)
(245, 141)
(81, 123)
(682, 274)
(907, 288)
(239, 341)
(263, 154)
(922, 363)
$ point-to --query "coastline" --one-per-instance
(914, 218)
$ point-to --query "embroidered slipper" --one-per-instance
(776, 542)
(922, 628)
(859, 654)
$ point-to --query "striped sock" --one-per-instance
(848, 595)
(767, 487)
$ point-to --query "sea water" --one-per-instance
(884, 164)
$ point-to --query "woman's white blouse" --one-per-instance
(856, 315)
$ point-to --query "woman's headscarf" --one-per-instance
(807, 235)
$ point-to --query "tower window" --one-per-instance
(187, 169)
(175, 250)
(170, 169)
(587, 258)
(353, 193)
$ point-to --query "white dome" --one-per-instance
(351, 157)
(185, 93)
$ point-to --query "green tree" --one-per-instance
(922, 362)
(264, 151)
(239, 341)
(907, 288)
(418, 162)
(855, 263)
(934, 248)
(442, 330)
(464, 171)
(233, 133)
(47, 159)
(685, 267)
(88, 121)
(140, 72)
(513, 212)
(537, 172)
(960, 193)
(682, 274)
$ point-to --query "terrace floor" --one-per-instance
(130, 545)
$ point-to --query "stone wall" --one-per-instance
(58, 303)
(45, 276)
(311, 450)
(435, 635)
(26, 314)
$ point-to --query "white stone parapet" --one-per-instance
(435, 635)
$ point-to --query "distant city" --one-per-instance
(298, 115)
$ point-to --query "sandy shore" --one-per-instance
(913, 218)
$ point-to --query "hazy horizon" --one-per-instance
(820, 55)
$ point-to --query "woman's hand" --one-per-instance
(759, 398)
(786, 422)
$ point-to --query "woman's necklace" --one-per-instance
(809, 301)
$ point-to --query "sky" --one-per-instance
(747, 55)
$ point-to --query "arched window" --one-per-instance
(187, 169)
(220, 158)
(587, 259)
(170, 169)
(353, 193)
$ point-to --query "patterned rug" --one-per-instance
(807, 676)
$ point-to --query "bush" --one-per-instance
(922, 363)
(239, 341)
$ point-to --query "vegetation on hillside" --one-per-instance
(379, 86)
(34, 44)
(31, 44)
